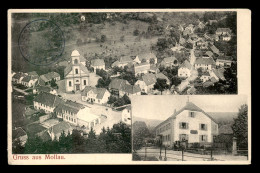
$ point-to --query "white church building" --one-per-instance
(76, 75)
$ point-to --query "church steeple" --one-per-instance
(75, 57)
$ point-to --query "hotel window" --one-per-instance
(184, 125)
(192, 114)
(76, 71)
(70, 83)
(85, 82)
(203, 126)
(203, 138)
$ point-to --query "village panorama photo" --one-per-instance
(73, 75)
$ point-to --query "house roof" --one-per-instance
(146, 56)
(131, 89)
(45, 136)
(186, 64)
(43, 88)
(125, 59)
(82, 59)
(26, 79)
(169, 59)
(49, 76)
(189, 106)
(32, 73)
(214, 49)
(117, 84)
(97, 62)
(16, 133)
(48, 99)
(69, 106)
(209, 53)
(98, 91)
(86, 115)
(162, 76)
(75, 53)
(149, 78)
(141, 67)
(116, 63)
(19, 75)
(205, 60)
(223, 30)
(59, 128)
(208, 83)
(182, 41)
(226, 58)
(219, 73)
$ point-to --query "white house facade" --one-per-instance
(189, 124)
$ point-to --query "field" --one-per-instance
(120, 41)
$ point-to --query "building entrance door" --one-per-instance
(77, 87)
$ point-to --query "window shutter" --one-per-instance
(200, 138)
(180, 125)
(187, 126)
(206, 138)
(206, 127)
(200, 126)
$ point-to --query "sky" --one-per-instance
(161, 107)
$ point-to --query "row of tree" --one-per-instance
(114, 140)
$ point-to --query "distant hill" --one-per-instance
(148, 122)
(223, 117)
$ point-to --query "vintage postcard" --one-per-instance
(81, 82)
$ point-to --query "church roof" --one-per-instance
(68, 69)
(75, 53)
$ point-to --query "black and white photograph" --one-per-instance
(190, 128)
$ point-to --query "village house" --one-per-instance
(154, 69)
(217, 74)
(205, 76)
(77, 114)
(46, 79)
(56, 130)
(190, 124)
(162, 76)
(122, 62)
(141, 68)
(206, 63)
(209, 54)
(120, 87)
(145, 57)
(95, 95)
(224, 34)
(18, 134)
(18, 77)
(76, 75)
(126, 115)
(169, 62)
(215, 50)
(12, 73)
(183, 85)
(211, 37)
(29, 80)
(201, 44)
(98, 64)
(38, 89)
(46, 101)
(224, 61)
(184, 70)
(177, 48)
(212, 22)
(146, 83)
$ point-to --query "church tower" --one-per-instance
(76, 75)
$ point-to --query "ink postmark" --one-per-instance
(41, 42)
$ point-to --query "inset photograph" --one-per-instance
(190, 128)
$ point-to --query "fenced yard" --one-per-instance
(191, 154)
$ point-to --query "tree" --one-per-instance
(240, 127)
(136, 32)
(200, 71)
(152, 61)
(140, 132)
(17, 147)
(175, 81)
(103, 82)
(79, 42)
(103, 38)
(161, 85)
(53, 84)
(122, 38)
